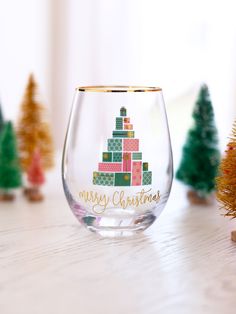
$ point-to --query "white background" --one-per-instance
(173, 44)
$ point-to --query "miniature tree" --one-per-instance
(1, 119)
(226, 181)
(200, 160)
(35, 177)
(33, 130)
(10, 172)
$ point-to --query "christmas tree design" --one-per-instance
(122, 162)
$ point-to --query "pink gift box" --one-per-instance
(110, 166)
(131, 145)
(128, 126)
(126, 162)
(136, 172)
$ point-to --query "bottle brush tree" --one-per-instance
(226, 181)
(35, 175)
(33, 129)
(10, 171)
(200, 159)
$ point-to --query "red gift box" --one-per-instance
(126, 162)
(110, 166)
(137, 173)
(131, 145)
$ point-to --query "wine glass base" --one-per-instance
(117, 226)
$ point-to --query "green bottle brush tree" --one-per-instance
(10, 171)
(200, 159)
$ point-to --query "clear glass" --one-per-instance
(117, 161)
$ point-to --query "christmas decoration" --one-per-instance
(102, 178)
(126, 162)
(131, 145)
(109, 166)
(137, 173)
(107, 156)
(226, 181)
(128, 126)
(137, 156)
(122, 111)
(114, 144)
(120, 166)
(119, 123)
(35, 177)
(10, 172)
(117, 183)
(1, 119)
(200, 160)
(33, 129)
(122, 179)
(123, 134)
(117, 156)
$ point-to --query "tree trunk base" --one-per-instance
(195, 199)
(27, 191)
(5, 197)
(34, 195)
(233, 235)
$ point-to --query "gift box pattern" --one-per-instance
(128, 126)
(130, 134)
(101, 178)
(114, 144)
(145, 166)
(137, 173)
(123, 134)
(110, 166)
(122, 179)
(131, 145)
(137, 156)
(106, 156)
(147, 177)
(127, 162)
(117, 157)
(122, 111)
(126, 120)
(119, 123)
(122, 164)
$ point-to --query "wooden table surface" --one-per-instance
(185, 263)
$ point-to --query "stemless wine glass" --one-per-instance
(117, 161)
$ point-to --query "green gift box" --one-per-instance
(147, 178)
(114, 144)
(122, 179)
(117, 157)
(124, 134)
(123, 111)
(119, 134)
(145, 166)
(103, 178)
(137, 156)
(119, 123)
(106, 156)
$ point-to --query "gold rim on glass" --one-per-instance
(118, 89)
